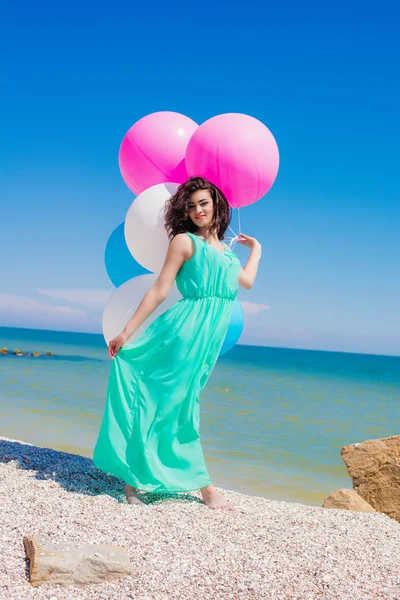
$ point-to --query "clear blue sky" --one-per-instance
(322, 77)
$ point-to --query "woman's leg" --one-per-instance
(132, 495)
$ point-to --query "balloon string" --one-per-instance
(233, 240)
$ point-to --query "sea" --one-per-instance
(273, 420)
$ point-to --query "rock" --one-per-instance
(374, 466)
(347, 500)
(4, 350)
(68, 563)
(49, 354)
(36, 354)
(18, 352)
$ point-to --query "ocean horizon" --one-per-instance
(273, 420)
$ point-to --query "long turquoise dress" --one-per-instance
(149, 435)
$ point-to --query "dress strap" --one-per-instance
(192, 235)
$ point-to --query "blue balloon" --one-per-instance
(235, 328)
(119, 262)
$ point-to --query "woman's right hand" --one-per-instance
(115, 344)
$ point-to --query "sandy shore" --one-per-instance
(181, 549)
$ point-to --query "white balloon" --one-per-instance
(123, 303)
(145, 233)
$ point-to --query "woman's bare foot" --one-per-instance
(213, 499)
(132, 495)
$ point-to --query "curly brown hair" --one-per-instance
(176, 211)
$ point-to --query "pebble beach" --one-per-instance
(179, 548)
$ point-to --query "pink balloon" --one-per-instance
(237, 153)
(153, 150)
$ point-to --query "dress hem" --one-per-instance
(165, 490)
(152, 490)
(176, 491)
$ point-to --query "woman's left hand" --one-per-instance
(248, 241)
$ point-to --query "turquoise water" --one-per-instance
(273, 419)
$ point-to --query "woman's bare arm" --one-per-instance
(179, 250)
(248, 273)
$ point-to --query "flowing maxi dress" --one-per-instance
(149, 436)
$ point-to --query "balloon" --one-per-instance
(235, 328)
(237, 153)
(153, 150)
(123, 303)
(145, 234)
(120, 264)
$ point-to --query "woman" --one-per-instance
(149, 435)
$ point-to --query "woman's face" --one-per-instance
(201, 208)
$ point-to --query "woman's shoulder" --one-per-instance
(227, 247)
(229, 251)
(182, 242)
(180, 238)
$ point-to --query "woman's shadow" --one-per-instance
(75, 473)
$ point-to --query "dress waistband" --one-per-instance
(194, 297)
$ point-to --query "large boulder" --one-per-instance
(374, 466)
(68, 563)
(347, 500)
